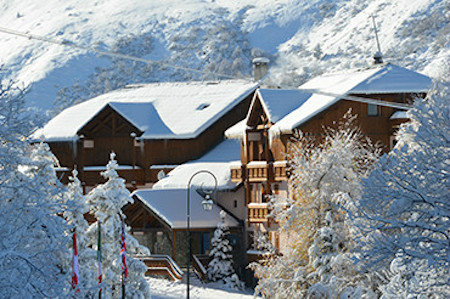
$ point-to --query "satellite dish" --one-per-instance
(161, 175)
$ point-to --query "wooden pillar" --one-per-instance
(174, 248)
(133, 142)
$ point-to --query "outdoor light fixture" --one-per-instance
(207, 203)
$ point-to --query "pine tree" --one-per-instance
(221, 266)
(34, 240)
(106, 202)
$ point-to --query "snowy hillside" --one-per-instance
(302, 38)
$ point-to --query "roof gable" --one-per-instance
(108, 122)
(179, 110)
(288, 109)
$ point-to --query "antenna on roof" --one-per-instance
(378, 56)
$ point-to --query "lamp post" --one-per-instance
(207, 204)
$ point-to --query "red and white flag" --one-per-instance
(123, 252)
(75, 266)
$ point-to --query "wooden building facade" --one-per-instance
(151, 128)
(275, 115)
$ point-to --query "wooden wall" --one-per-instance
(111, 132)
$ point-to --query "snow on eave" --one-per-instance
(399, 115)
(237, 131)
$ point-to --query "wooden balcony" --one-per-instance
(236, 173)
(258, 171)
(280, 170)
(257, 212)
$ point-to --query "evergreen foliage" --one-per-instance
(106, 202)
(34, 238)
(221, 266)
(404, 213)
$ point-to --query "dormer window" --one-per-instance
(203, 106)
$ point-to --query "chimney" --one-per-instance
(377, 58)
(260, 67)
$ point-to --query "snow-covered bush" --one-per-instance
(326, 181)
(33, 247)
(404, 213)
(106, 202)
(221, 266)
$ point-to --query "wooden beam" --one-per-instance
(174, 248)
(137, 215)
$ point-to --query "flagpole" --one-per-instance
(123, 252)
(75, 267)
(99, 258)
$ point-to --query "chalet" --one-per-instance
(151, 127)
(275, 114)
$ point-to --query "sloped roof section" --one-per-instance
(384, 78)
(280, 102)
(176, 110)
(171, 206)
(288, 109)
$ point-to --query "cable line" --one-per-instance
(68, 43)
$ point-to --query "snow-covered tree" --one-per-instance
(404, 214)
(87, 283)
(106, 202)
(221, 266)
(326, 181)
(33, 237)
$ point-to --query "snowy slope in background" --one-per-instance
(303, 38)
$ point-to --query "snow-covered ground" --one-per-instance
(165, 289)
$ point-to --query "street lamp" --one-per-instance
(207, 204)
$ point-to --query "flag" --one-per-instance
(75, 268)
(123, 252)
(99, 255)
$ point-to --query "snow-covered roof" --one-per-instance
(175, 110)
(399, 115)
(217, 161)
(171, 206)
(260, 60)
(384, 78)
(278, 103)
(288, 109)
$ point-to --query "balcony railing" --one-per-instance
(280, 170)
(257, 212)
(258, 171)
(236, 173)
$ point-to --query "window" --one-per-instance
(235, 203)
(88, 143)
(372, 110)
